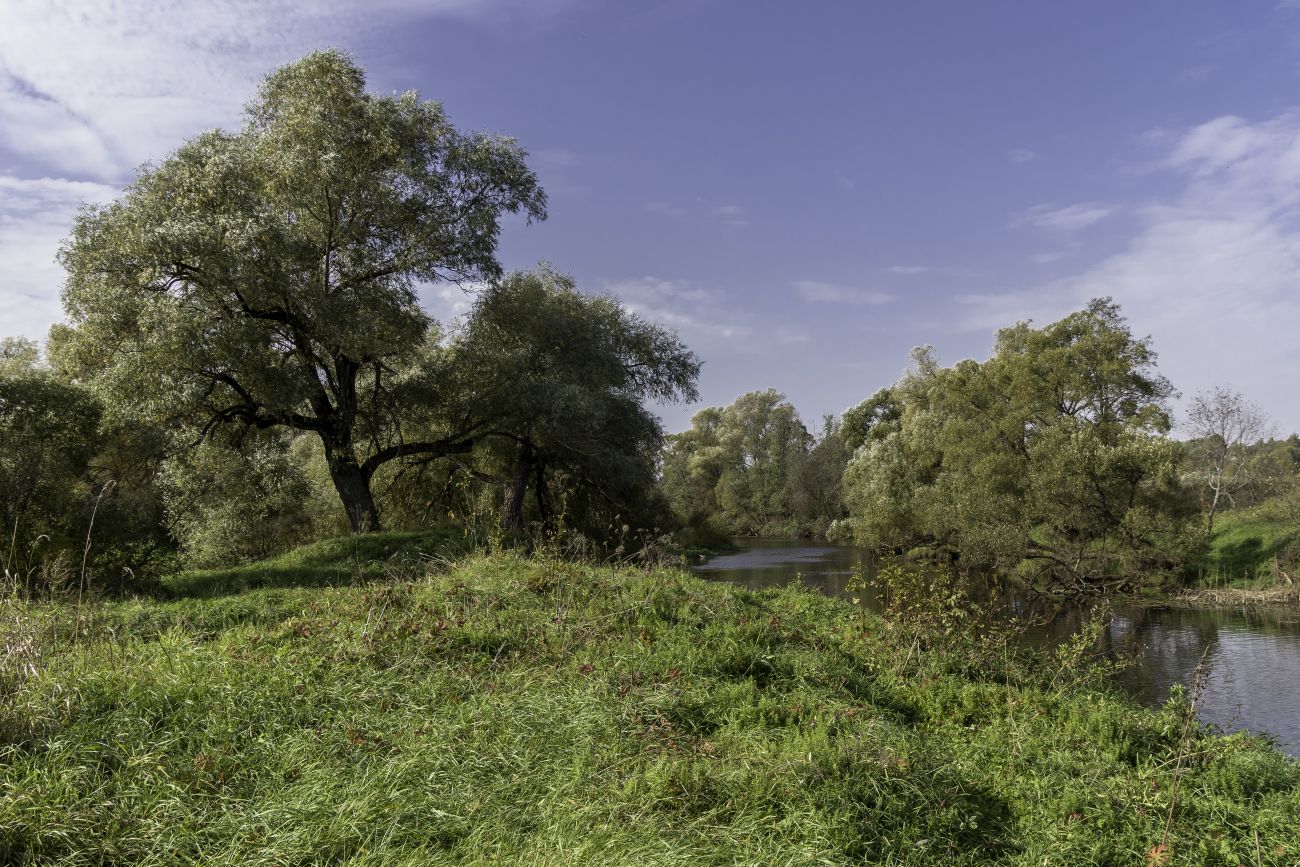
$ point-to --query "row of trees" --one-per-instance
(245, 359)
(1053, 457)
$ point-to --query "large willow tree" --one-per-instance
(267, 277)
(1051, 455)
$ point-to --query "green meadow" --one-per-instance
(502, 709)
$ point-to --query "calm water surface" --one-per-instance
(1253, 657)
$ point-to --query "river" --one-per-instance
(1252, 656)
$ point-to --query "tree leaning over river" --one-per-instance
(1051, 456)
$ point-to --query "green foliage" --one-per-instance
(560, 381)
(230, 503)
(752, 468)
(872, 419)
(75, 488)
(48, 435)
(1052, 455)
(541, 712)
(815, 480)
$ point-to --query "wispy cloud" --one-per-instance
(1021, 155)
(554, 159)
(835, 293)
(92, 89)
(1071, 218)
(1212, 271)
(1049, 256)
(35, 215)
(559, 170)
(701, 211)
(732, 215)
(695, 311)
(908, 270)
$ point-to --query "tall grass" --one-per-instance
(535, 711)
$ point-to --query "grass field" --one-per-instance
(515, 711)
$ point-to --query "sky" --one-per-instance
(803, 191)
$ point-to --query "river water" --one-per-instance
(1252, 656)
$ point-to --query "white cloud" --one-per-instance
(909, 269)
(1213, 274)
(1071, 218)
(35, 215)
(732, 215)
(1021, 155)
(834, 293)
(695, 312)
(36, 125)
(448, 302)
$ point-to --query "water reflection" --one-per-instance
(1252, 657)
(763, 563)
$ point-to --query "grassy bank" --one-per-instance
(1248, 549)
(331, 562)
(503, 710)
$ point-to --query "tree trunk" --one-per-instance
(543, 506)
(512, 514)
(353, 486)
(1214, 507)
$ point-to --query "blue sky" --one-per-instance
(805, 191)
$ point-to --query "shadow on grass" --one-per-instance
(332, 562)
(1247, 551)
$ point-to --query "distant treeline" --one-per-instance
(1054, 458)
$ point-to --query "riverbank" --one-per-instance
(538, 712)
(1236, 597)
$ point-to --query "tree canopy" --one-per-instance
(558, 382)
(1224, 425)
(267, 278)
(48, 434)
(1053, 453)
(752, 468)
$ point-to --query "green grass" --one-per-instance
(511, 711)
(341, 560)
(1244, 546)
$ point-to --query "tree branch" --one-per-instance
(441, 448)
